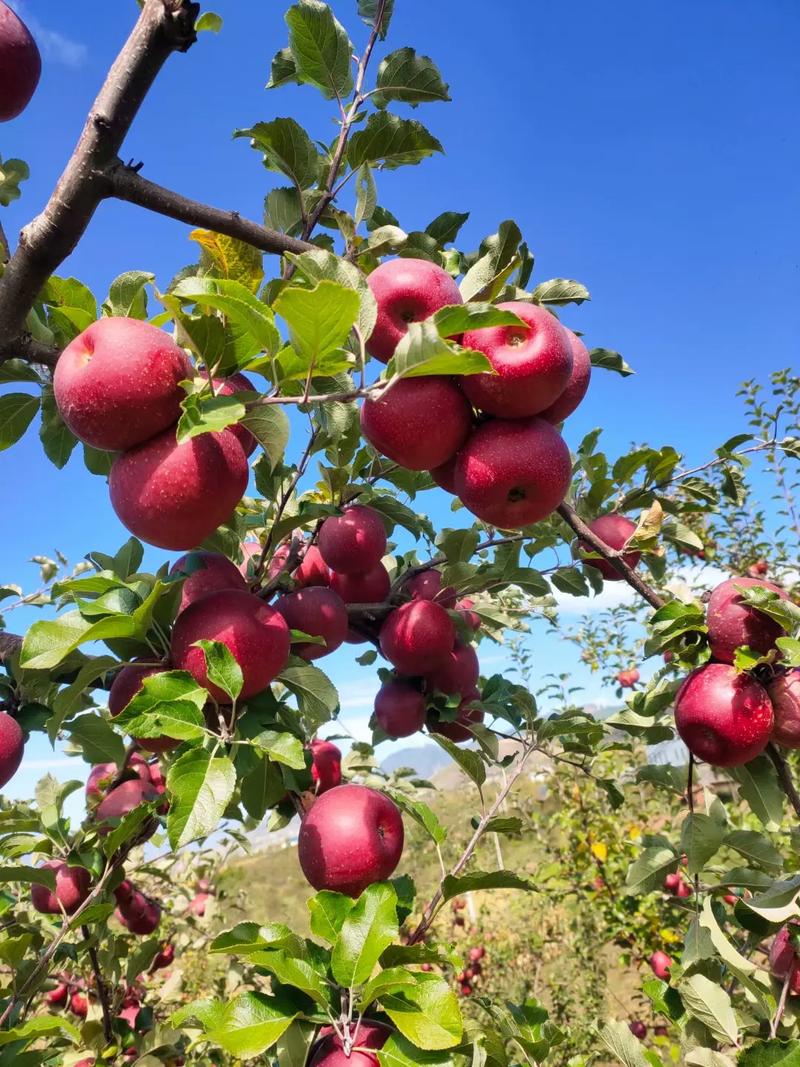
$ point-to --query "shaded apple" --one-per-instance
(445, 474)
(406, 290)
(58, 995)
(71, 889)
(783, 957)
(175, 496)
(512, 473)
(122, 799)
(471, 618)
(638, 1029)
(313, 569)
(138, 913)
(12, 747)
(784, 693)
(614, 531)
(354, 541)
(458, 674)
(733, 622)
(458, 730)
(208, 572)
(255, 634)
(427, 585)
(371, 587)
(419, 423)
(352, 837)
(417, 637)
(238, 383)
(328, 1051)
(723, 717)
(317, 612)
(399, 708)
(577, 385)
(326, 765)
(124, 688)
(20, 64)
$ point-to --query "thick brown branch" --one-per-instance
(163, 27)
(576, 523)
(125, 183)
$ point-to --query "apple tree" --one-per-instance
(278, 422)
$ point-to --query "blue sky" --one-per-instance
(649, 151)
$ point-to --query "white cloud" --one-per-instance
(612, 596)
(54, 46)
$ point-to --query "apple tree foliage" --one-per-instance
(299, 324)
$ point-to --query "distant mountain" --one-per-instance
(425, 760)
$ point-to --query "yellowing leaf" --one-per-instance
(600, 851)
(232, 258)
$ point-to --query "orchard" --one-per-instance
(271, 424)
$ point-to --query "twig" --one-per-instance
(776, 1020)
(102, 992)
(785, 776)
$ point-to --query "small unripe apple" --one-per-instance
(427, 585)
(577, 385)
(354, 541)
(417, 637)
(117, 384)
(419, 423)
(513, 472)
(371, 587)
(660, 964)
(175, 496)
(255, 634)
(124, 688)
(733, 622)
(784, 692)
(12, 747)
(208, 572)
(72, 888)
(317, 612)
(352, 837)
(458, 674)
(20, 64)
(329, 1051)
(406, 290)
(399, 708)
(613, 530)
(723, 717)
(326, 765)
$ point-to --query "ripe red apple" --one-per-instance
(317, 612)
(124, 688)
(20, 64)
(117, 384)
(671, 882)
(255, 634)
(12, 747)
(613, 530)
(628, 679)
(783, 957)
(406, 290)
(533, 363)
(138, 913)
(784, 693)
(354, 541)
(165, 957)
(660, 964)
(238, 383)
(175, 496)
(399, 708)
(458, 730)
(122, 799)
(100, 777)
(577, 385)
(251, 551)
(417, 637)
(352, 837)
(326, 765)
(465, 989)
(79, 1005)
(511, 473)
(371, 587)
(723, 717)
(207, 572)
(471, 618)
(732, 622)
(445, 474)
(72, 888)
(329, 1051)
(684, 890)
(477, 953)
(458, 674)
(427, 585)
(638, 1029)
(419, 423)
(313, 569)
(58, 995)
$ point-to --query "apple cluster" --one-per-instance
(488, 438)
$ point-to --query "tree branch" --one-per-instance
(163, 27)
(102, 992)
(784, 776)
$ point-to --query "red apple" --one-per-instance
(329, 1051)
(684, 890)
(638, 1029)
(117, 384)
(124, 688)
(783, 956)
(784, 693)
(732, 622)
(72, 888)
(20, 64)
(471, 618)
(427, 585)
(251, 552)
(465, 989)
(477, 953)
(175, 496)
(207, 572)
(138, 913)
(12, 743)
(100, 777)
(313, 569)
(79, 1005)
(406, 290)
(238, 383)
(58, 995)
(399, 708)
(533, 363)
(353, 542)
(723, 717)
(671, 882)
(512, 473)
(445, 474)
(352, 837)
(417, 637)
(326, 765)
(628, 679)
(577, 385)
(660, 964)
(614, 531)
(458, 730)
(122, 799)
(165, 957)
(758, 569)
(317, 612)
(419, 423)
(371, 587)
(458, 674)
(255, 634)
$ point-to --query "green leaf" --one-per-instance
(445, 227)
(366, 195)
(209, 22)
(328, 913)
(370, 927)
(12, 172)
(16, 414)
(249, 1024)
(235, 301)
(421, 351)
(57, 440)
(320, 265)
(622, 1045)
(608, 360)
(127, 296)
(15, 370)
(649, 869)
(319, 319)
(427, 1013)
(223, 670)
(391, 142)
(287, 149)
(99, 742)
(269, 424)
(29, 875)
(368, 12)
(316, 695)
(248, 938)
(756, 848)
(770, 1053)
(282, 747)
(169, 704)
(778, 903)
(457, 318)
(282, 70)
(404, 75)
(421, 814)
(468, 760)
(560, 291)
(497, 259)
(204, 413)
(707, 1002)
(262, 789)
(200, 788)
(399, 1052)
(476, 880)
(393, 978)
(759, 786)
(701, 837)
(321, 48)
(35, 1028)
